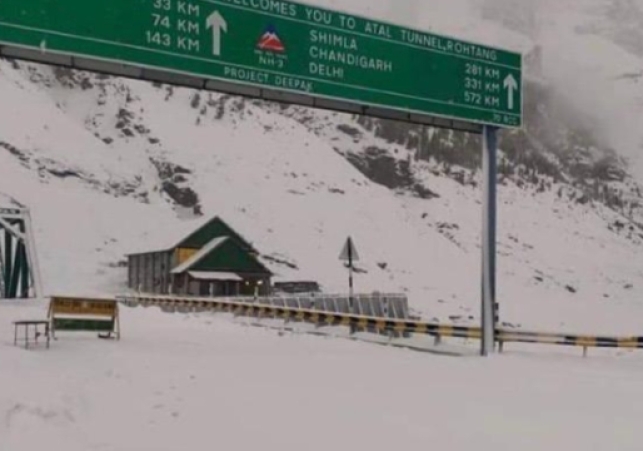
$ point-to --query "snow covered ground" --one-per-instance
(179, 381)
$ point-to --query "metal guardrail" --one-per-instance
(584, 341)
(242, 307)
(379, 305)
(369, 323)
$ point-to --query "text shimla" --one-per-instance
(346, 55)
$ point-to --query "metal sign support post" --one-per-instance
(490, 171)
(32, 257)
(350, 277)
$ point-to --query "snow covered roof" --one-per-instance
(212, 245)
(181, 234)
(213, 275)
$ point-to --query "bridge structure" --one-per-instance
(19, 269)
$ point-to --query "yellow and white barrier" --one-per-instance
(366, 323)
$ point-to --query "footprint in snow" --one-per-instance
(46, 415)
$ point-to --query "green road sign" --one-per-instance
(283, 46)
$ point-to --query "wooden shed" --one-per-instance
(214, 260)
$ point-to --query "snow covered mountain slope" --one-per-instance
(109, 166)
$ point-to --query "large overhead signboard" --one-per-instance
(279, 46)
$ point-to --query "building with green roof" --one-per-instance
(214, 260)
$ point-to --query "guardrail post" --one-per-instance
(584, 351)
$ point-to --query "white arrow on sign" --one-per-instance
(218, 24)
(511, 85)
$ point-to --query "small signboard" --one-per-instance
(74, 306)
(84, 314)
(349, 252)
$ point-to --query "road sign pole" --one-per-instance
(350, 273)
(32, 257)
(3, 286)
(350, 281)
(490, 171)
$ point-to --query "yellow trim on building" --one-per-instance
(184, 254)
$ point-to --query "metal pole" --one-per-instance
(2, 286)
(8, 263)
(350, 272)
(421, 142)
(32, 256)
(490, 171)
